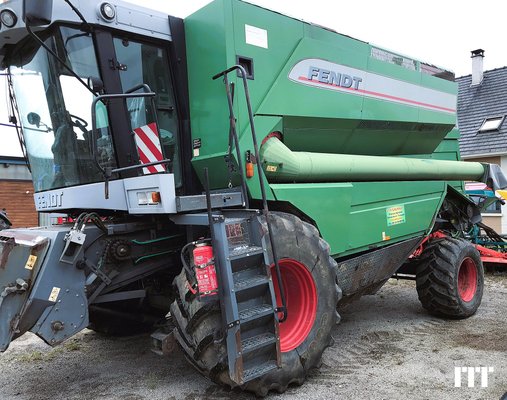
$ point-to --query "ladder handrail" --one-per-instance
(234, 133)
(265, 209)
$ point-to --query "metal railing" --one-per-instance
(265, 209)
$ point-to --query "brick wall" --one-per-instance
(17, 198)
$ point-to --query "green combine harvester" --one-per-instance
(232, 177)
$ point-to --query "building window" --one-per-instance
(491, 124)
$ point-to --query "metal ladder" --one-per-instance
(247, 295)
(249, 305)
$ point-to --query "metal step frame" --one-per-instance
(246, 291)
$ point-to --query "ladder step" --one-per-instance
(247, 283)
(231, 221)
(257, 342)
(255, 312)
(259, 370)
(244, 251)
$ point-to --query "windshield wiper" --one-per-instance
(57, 57)
(62, 62)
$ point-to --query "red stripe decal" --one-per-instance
(151, 146)
(144, 160)
(386, 96)
(153, 128)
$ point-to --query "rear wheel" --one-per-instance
(450, 278)
(309, 278)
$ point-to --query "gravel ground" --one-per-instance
(387, 347)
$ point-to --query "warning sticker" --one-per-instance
(256, 36)
(54, 294)
(395, 215)
(31, 262)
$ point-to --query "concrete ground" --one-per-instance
(387, 347)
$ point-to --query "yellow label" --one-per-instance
(54, 294)
(271, 168)
(31, 262)
(395, 215)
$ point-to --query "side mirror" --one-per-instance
(33, 119)
(37, 12)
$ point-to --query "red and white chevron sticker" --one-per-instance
(148, 147)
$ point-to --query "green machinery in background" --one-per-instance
(231, 178)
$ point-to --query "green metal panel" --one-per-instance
(328, 205)
(263, 125)
(353, 217)
(447, 120)
(397, 111)
(388, 69)
(207, 40)
(314, 118)
(290, 98)
(371, 220)
(379, 109)
(283, 35)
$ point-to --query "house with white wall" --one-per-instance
(482, 108)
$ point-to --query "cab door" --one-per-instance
(140, 63)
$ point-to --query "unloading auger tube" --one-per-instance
(283, 165)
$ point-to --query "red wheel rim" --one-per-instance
(301, 298)
(467, 279)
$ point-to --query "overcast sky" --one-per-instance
(440, 32)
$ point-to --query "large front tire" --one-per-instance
(450, 278)
(306, 267)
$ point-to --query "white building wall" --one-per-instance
(503, 165)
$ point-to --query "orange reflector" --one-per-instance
(155, 197)
(249, 170)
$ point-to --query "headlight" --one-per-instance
(107, 11)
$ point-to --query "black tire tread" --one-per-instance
(437, 275)
(200, 333)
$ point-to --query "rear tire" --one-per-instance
(302, 254)
(450, 278)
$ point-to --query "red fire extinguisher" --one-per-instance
(205, 272)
